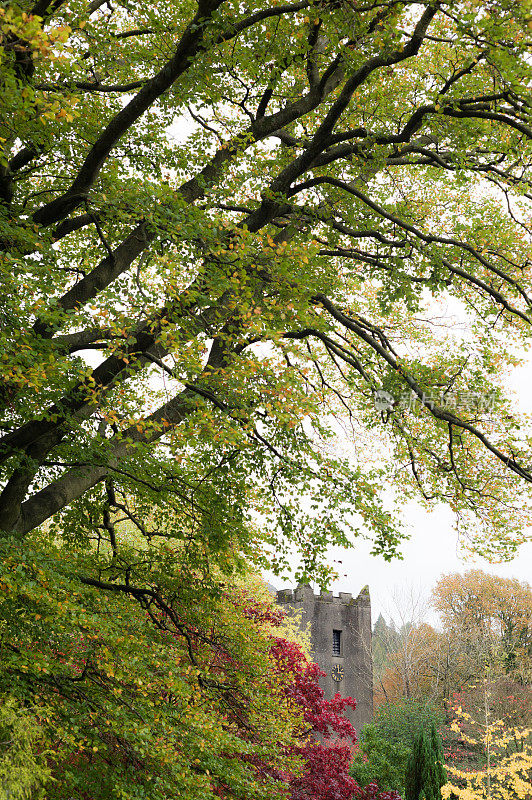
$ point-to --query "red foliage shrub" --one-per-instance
(326, 771)
(372, 792)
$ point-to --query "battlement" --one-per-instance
(305, 592)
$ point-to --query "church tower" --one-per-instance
(341, 643)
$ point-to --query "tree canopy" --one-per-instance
(226, 227)
(495, 612)
(189, 690)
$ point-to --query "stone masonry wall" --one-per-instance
(351, 616)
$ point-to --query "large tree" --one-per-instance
(197, 695)
(490, 616)
(225, 224)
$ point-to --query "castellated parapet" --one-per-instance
(341, 643)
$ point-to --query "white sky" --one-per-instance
(429, 553)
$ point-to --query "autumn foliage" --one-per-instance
(503, 768)
(325, 773)
(470, 677)
(485, 619)
(224, 227)
(171, 696)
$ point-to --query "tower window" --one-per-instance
(337, 643)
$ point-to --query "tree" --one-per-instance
(255, 206)
(492, 617)
(198, 694)
(413, 668)
(383, 640)
(402, 722)
(404, 653)
(325, 774)
(377, 760)
(224, 229)
(438, 776)
(416, 767)
(507, 767)
(425, 774)
(125, 699)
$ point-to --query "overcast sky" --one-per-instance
(429, 553)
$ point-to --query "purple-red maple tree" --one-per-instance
(325, 774)
(372, 792)
(326, 736)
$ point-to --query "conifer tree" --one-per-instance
(425, 774)
(414, 771)
(438, 773)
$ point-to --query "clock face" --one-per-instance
(337, 672)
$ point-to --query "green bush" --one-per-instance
(401, 722)
(379, 760)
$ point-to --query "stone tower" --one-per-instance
(341, 643)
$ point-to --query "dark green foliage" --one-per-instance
(401, 722)
(425, 774)
(416, 764)
(379, 761)
(440, 776)
(399, 747)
